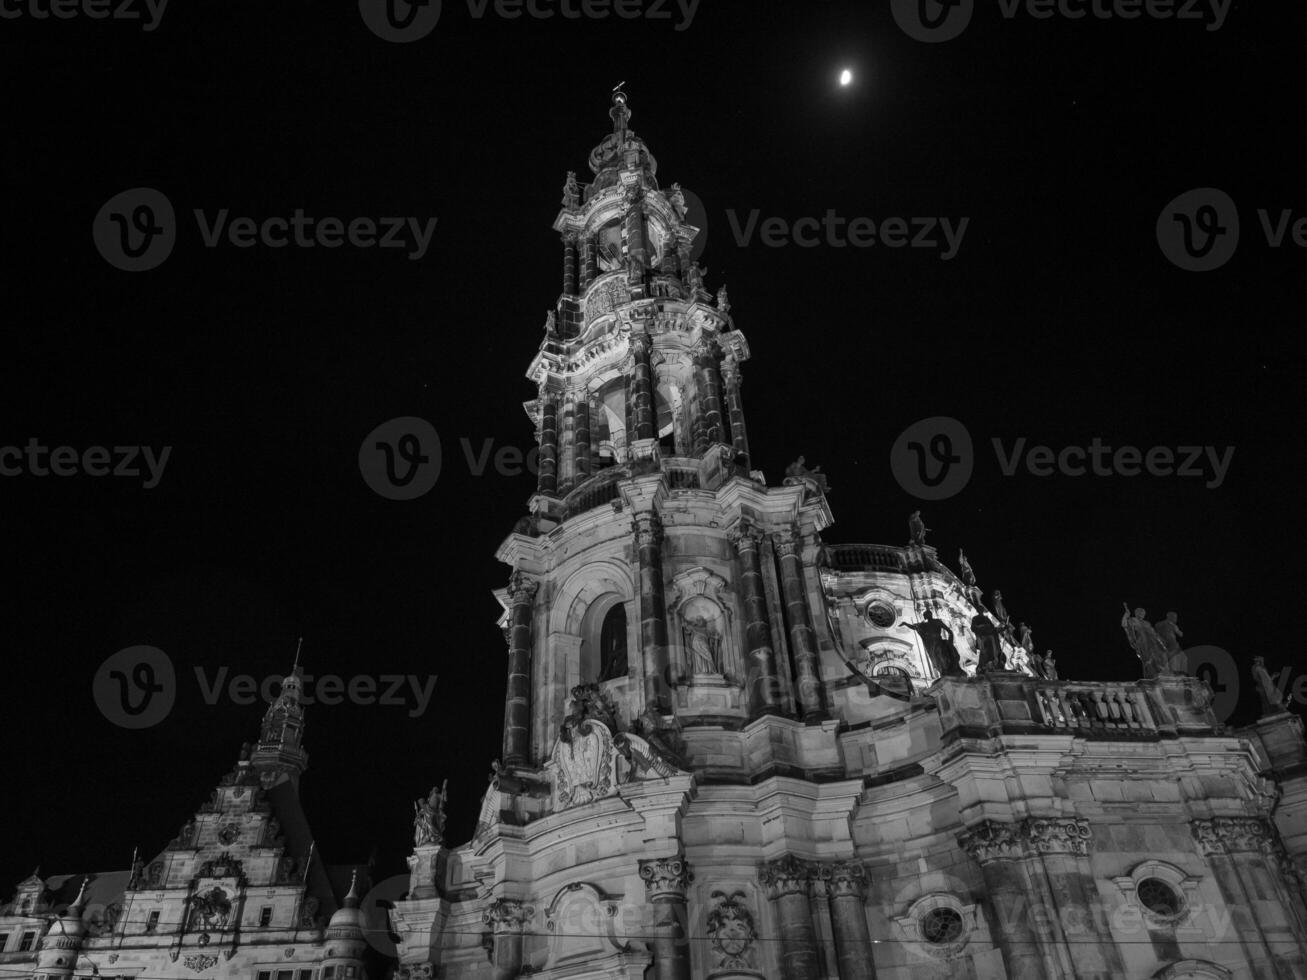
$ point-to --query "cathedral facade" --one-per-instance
(734, 751)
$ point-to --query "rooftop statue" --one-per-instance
(965, 571)
(1145, 642)
(1169, 633)
(571, 191)
(917, 529)
(988, 646)
(1271, 697)
(429, 817)
(798, 474)
(937, 638)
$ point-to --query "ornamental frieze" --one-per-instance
(993, 840)
(199, 962)
(667, 877)
(1058, 836)
(1226, 835)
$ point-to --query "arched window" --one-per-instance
(612, 644)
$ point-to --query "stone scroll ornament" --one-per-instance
(584, 756)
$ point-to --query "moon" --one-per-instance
(846, 78)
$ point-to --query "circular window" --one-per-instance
(1159, 897)
(942, 926)
(881, 614)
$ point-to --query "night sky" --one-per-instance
(1059, 320)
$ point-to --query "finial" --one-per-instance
(620, 113)
(298, 647)
(81, 894)
(352, 898)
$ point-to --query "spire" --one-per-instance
(619, 113)
(76, 907)
(279, 750)
(352, 899)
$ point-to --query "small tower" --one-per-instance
(279, 755)
(62, 944)
(346, 943)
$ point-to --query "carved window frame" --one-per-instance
(1182, 883)
(912, 924)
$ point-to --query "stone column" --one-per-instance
(760, 658)
(569, 265)
(1230, 844)
(581, 444)
(789, 886)
(846, 891)
(633, 233)
(653, 611)
(735, 408)
(708, 382)
(567, 446)
(803, 640)
(590, 251)
(506, 918)
(547, 479)
(1000, 851)
(665, 881)
(517, 706)
(640, 389)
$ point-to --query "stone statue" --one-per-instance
(704, 645)
(917, 529)
(723, 301)
(937, 638)
(429, 817)
(988, 647)
(589, 703)
(676, 197)
(1271, 697)
(186, 836)
(1000, 610)
(966, 573)
(798, 474)
(551, 322)
(662, 737)
(1027, 641)
(1049, 667)
(246, 749)
(1169, 633)
(571, 191)
(1145, 642)
(695, 278)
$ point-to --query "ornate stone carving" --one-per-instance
(732, 931)
(1229, 835)
(429, 817)
(992, 840)
(223, 866)
(787, 875)
(745, 535)
(508, 914)
(844, 879)
(521, 587)
(584, 755)
(1058, 836)
(666, 877)
(210, 910)
(648, 529)
(199, 962)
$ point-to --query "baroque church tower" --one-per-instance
(731, 750)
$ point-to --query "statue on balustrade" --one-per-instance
(988, 646)
(917, 529)
(1027, 641)
(1000, 610)
(798, 474)
(1169, 633)
(1145, 642)
(1048, 667)
(965, 571)
(571, 191)
(1270, 695)
(937, 638)
(429, 817)
(723, 301)
(676, 197)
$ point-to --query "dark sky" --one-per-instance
(1059, 320)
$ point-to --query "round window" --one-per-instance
(1159, 897)
(881, 614)
(942, 926)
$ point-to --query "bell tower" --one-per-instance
(655, 562)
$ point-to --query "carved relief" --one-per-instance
(992, 840)
(199, 962)
(1227, 835)
(666, 878)
(507, 914)
(210, 911)
(732, 931)
(787, 876)
(584, 757)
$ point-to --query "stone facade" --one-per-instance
(240, 892)
(732, 750)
